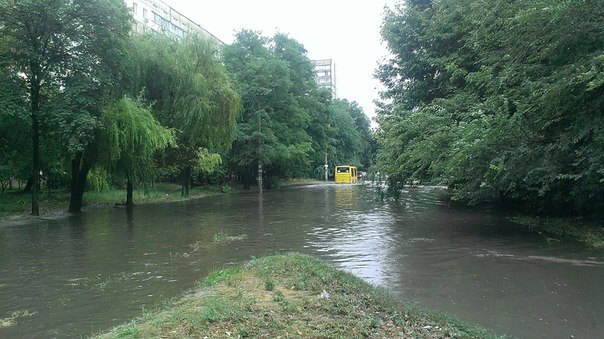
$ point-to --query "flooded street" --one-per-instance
(84, 274)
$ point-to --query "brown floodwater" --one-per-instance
(83, 274)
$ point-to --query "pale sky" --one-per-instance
(343, 30)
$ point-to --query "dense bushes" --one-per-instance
(497, 99)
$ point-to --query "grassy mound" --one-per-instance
(291, 295)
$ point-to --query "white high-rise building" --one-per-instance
(325, 74)
(157, 16)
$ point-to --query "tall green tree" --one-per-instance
(347, 144)
(52, 46)
(273, 77)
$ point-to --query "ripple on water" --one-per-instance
(554, 260)
(464, 261)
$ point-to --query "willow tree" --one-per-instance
(131, 137)
(192, 95)
(48, 44)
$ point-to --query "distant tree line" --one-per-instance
(83, 101)
(288, 123)
(496, 99)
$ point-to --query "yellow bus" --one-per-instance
(346, 175)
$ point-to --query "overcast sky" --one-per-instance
(343, 30)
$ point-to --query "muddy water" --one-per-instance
(80, 275)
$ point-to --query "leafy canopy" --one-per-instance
(131, 137)
(497, 98)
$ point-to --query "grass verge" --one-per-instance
(291, 295)
(589, 234)
(16, 205)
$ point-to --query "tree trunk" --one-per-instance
(35, 139)
(260, 156)
(129, 190)
(27, 188)
(502, 198)
(79, 173)
(247, 176)
(186, 182)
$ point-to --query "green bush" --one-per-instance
(98, 180)
(226, 188)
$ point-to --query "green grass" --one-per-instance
(18, 202)
(590, 234)
(278, 296)
(16, 205)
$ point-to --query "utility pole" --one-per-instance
(326, 168)
(259, 155)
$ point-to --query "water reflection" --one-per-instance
(99, 269)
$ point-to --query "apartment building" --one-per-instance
(325, 75)
(159, 17)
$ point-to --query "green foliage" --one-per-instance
(347, 141)
(98, 180)
(60, 58)
(225, 188)
(131, 137)
(271, 126)
(496, 99)
(269, 285)
(207, 162)
(220, 276)
(15, 133)
(191, 94)
(286, 122)
(189, 87)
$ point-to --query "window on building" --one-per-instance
(134, 8)
(144, 13)
(165, 24)
(178, 31)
